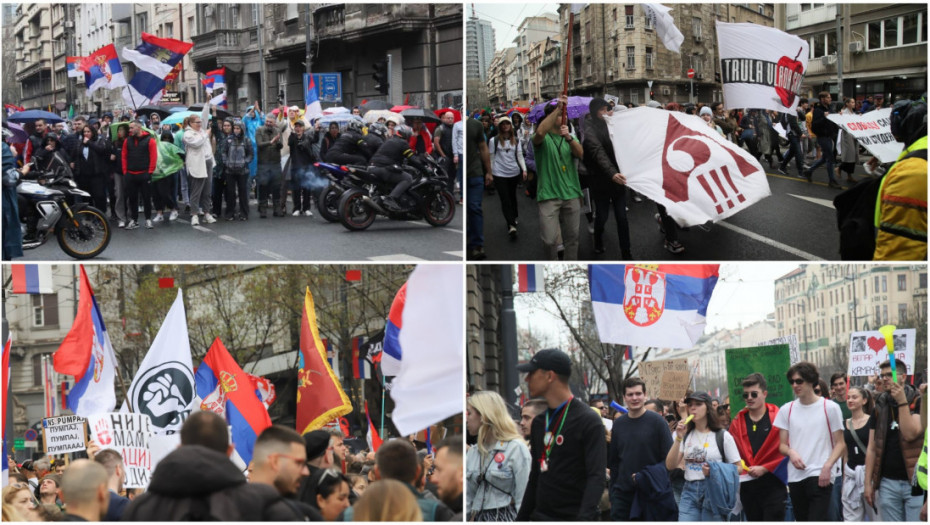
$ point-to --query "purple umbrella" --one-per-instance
(19, 134)
(577, 108)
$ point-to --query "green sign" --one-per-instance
(770, 361)
(19, 444)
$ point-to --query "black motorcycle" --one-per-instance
(328, 199)
(428, 199)
(50, 203)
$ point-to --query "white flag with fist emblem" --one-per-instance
(678, 161)
(163, 388)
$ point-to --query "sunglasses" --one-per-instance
(889, 375)
(796, 381)
(747, 395)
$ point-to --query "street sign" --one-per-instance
(330, 86)
(649, 82)
(31, 435)
(19, 444)
(690, 73)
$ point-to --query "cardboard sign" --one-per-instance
(129, 434)
(792, 342)
(63, 434)
(867, 350)
(873, 131)
(674, 384)
(771, 361)
(652, 373)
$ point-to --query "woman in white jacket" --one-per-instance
(498, 467)
(199, 161)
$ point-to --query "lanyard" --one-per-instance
(558, 432)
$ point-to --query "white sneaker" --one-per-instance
(159, 218)
(148, 224)
(195, 221)
(122, 224)
(132, 225)
(208, 218)
(173, 216)
(296, 213)
(308, 213)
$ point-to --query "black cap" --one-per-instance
(27, 465)
(316, 443)
(703, 397)
(551, 359)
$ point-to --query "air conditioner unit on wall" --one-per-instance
(828, 60)
(856, 47)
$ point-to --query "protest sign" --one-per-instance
(772, 361)
(64, 434)
(790, 340)
(612, 98)
(674, 384)
(867, 350)
(652, 372)
(872, 131)
(129, 434)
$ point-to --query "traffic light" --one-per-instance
(380, 76)
(652, 95)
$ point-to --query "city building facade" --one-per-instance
(479, 48)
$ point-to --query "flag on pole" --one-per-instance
(628, 352)
(332, 358)
(32, 278)
(530, 278)
(320, 398)
(392, 353)
(217, 77)
(73, 65)
(361, 368)
(87, 354)
(313, 109)
(231, 393)
(219, 100)
(163, 388)
(661, 19)
(48, 387)
(661, 305)
(679, 162)
(761, 67)
(12, 108)
(208, 85)
(433, 339)
(374, 440)
(102, 69)
(155, 58)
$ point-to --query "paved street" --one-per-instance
(796, 222)
(277, 239)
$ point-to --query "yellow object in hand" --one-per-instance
(743, 463)
(689, 418)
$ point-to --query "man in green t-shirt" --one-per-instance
(558, 190)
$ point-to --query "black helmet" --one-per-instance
(403, 131)
(378, 129)
(354, 125)
(909, 120)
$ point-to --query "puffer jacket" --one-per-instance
(909, 449)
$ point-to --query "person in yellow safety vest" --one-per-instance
(922, 473)
(901, 207)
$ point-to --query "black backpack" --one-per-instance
(855, 216)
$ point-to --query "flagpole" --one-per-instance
(568, 60)
(381, 434)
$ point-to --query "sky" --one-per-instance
(506, 18)
(745, 293)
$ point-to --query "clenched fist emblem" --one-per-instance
(163, 397)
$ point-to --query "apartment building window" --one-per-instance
(45, 310)
(629, 17)
(631, 57)
(885, 314)
(255, 13)
(884, 284)
(902, 314)
(902, 282)
(875, 288)
(899, 31)
(878, 315)
(923, 280)
(37, 370)
(587, 31)
(142, 23)
(649, 26)
(648, 58)
(696, 27)
(634, 97)
(169, 30)
(614, 14)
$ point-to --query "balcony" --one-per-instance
(222, 42)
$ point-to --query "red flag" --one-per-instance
(374, 440)
(73, 355)
(320, 398)
(166, 282)
(353, 275)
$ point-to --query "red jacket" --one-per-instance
(148, 157)
(768, 456)
(427, 140)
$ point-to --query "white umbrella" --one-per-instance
(372, 116)
(336, 110)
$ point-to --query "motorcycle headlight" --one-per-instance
(72, 184)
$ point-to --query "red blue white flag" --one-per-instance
(311, 98)
(392, 352)
(32, 278)
(361, 368)
(154, 59)
(661, 305)
(374, 440)
(530, 278)
(102, 69)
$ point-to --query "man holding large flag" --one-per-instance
(155, 58)
(86, 354)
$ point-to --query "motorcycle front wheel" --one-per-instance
(439, 208)
(86, 236)
(354, 214)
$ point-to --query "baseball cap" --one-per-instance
(551, 359)
(703, 397)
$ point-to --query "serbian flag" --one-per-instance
(154, 58)
(86, 354)
(32, 278)
(219, 101)
(208, 84)
(374, 440)
(678, 161)
(361, 368)
(218, 78)
(628, 352)
(231, 393)
(392, 353)
(73, 64)
(311, 98)
(661, 305)
(320, 398)
(530, 278)
(332, 358)
(103, 70)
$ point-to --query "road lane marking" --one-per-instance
(272, 255)
(395, 257)
(815, 200)
(232, 240)
(771, 242)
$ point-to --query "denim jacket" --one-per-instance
(721, 491)
(493, 484)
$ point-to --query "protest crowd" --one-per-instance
(834, 453)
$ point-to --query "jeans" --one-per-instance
(473, 195)
(809, 500)
(560, 218)
(835, 512)
(269, 186)
(895, 502)
(826, 157)
(691, 507)
(794, 150)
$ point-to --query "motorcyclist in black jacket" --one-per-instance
(371, 142)
(348, 147)
(387, 161)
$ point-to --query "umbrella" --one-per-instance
(440, 112)
(374, 105)
(177, 118)
(221, 113)
(32, 115)
(163, 111)
(338, 110)
(19, 134)
(339, 118)
(400, 109)
(372, 116)
(420, 113)
(577, 108)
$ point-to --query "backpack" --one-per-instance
(855, 216)
(235, 158)
(718, 436)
